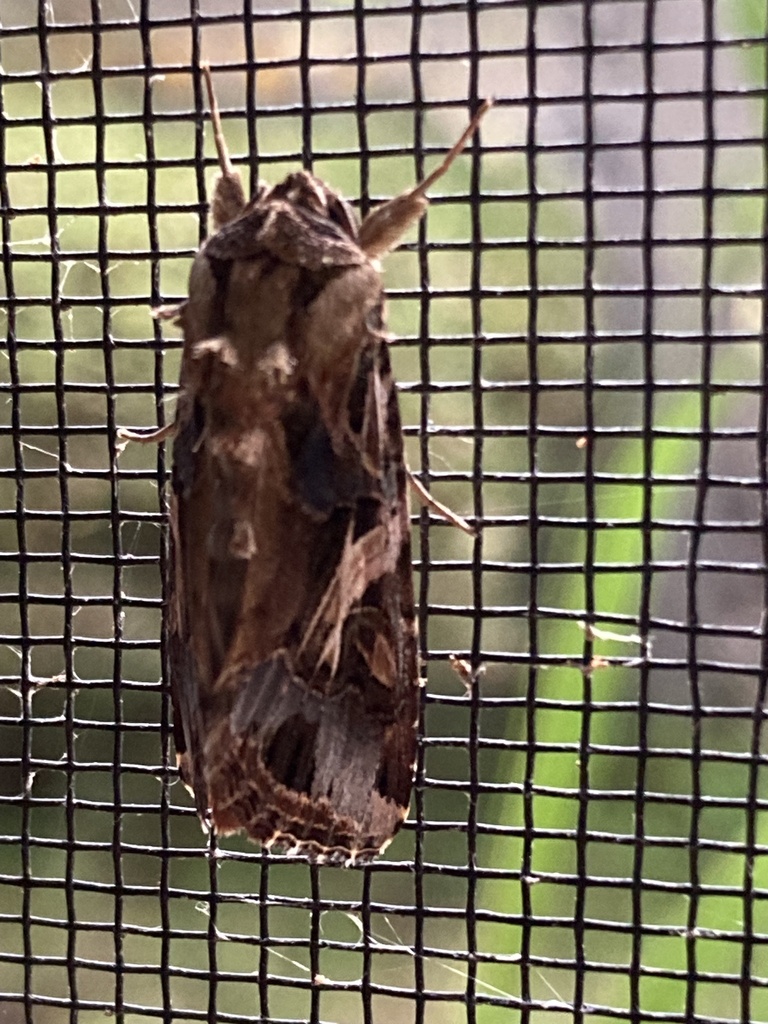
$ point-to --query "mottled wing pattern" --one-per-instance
(293, 647)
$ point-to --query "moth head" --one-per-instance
(304, 191)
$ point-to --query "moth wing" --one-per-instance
(322, 732)
(292, 586)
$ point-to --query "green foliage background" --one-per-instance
(581, 758)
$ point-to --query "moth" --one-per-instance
(294, 664)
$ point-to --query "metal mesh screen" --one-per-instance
(579, 333)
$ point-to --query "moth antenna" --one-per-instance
(423, 186)
(228, 200)
(222, 151)
(385, 225)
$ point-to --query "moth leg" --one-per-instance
(430, 502)
(153, 437)
(384, 226)
(228, 199)
(174, 313)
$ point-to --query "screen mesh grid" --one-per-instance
(579, 335)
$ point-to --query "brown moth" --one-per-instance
(293, 650)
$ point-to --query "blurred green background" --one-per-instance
(525, 892)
